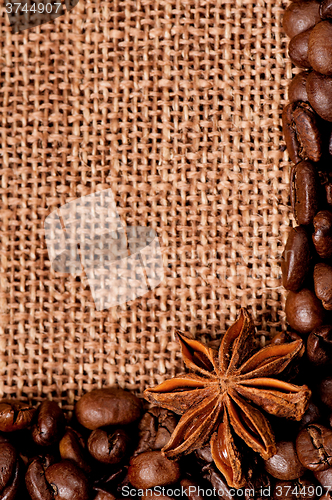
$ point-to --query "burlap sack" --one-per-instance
(176, 106)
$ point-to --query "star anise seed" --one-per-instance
(221, 399)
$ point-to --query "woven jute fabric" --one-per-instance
(176, 106)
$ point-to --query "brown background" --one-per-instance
(175, 105)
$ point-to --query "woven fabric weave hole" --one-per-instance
(175, 106)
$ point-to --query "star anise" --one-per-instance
(222, 397)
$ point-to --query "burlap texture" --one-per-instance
(176, 106)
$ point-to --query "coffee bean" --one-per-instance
(325, 478)
(320, 48)
(103, 495)
(304, 311)
(311, 415)
(319, 92)
(217, 480)
(325, 392)
(326, 9)
(323, 284)
(35, 481)
(192, 489)
(314, 447)
(67, 481)
(319, 346)
(151, 469)
(300, 16)
(50, 424)
(15, 415)
(8, 460)
(285, 463)
(302, 488)
(155, 429)
(304, 192)
(11, 492)
(296, 259)
(284, 337)
(204, 454)
(298, 49)
(302, 133)
(108, 406)
(108, 447)
(72, 447)
(297, 90)
(322, 236)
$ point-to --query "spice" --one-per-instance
(221, 399)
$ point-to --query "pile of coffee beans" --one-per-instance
(110, 449)
(307, 127)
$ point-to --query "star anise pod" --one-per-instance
(221, 399)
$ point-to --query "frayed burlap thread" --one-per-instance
(176, 106)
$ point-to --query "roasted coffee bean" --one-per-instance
(325, 392)
(297, 90)
(319, 92)
(300, 16)
(314, 447)
(8, 461)
(108, 406)
(323, 284)
(304, 192)
(72, 447)
(311, 415)
(285, 464)
(151, 469)
(325, 478)
(108, 447)
(328, 192)
(326, 9)
(217, 480)
(204, 454)
(12, 492)
(103, 495)
(302, 488)
(35, 481)
(15, 415)
(298, 49)
(322, 236)
(296, 259)
(302, 133)
(50, 424)
(192, 489)
(284, 337)
(155, 429)
(320, 48)
(67, 481)
(319, 346)
(304, 311)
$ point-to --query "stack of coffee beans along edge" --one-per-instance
(307, 128)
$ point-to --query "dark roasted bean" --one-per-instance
(319, 91)
(320, 48)
(302, 132)
(300, 16)
(12, 490)
(103, 495)
(72, 447)
(285, 464)
(296, 259)
(323, 284)
(155, 429)
(325, 392)
(302, 488)
(15, 415)
(326, 9)
(314, 447)
(304, 192)
(319, 346)
(322, 236)
(217, 480)
(8, 460)
(67, 481)
(297, 90)
(325, 478)
(108, 447)
(36, 483)
(108, 406)
(311, 415)
(298, 49)
(151, 469)
(50, 424)
(304, 312)
(192, 489)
